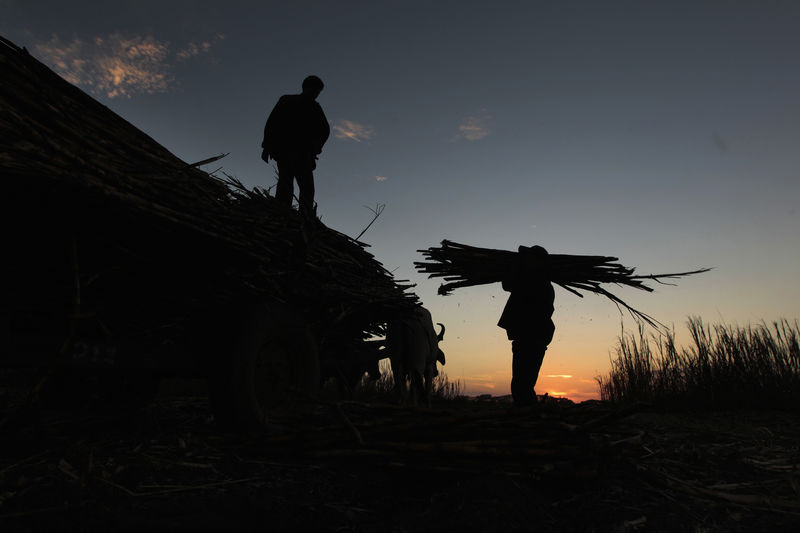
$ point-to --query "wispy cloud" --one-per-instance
(474, 128)
(119, 65)
(196, 48)
(381, 178)
(485, 382)
(562, 376)
(349, 130)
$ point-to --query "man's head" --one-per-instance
(535, 259)
(312, 86)
(534, 251)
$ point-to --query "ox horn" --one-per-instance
(440, 336)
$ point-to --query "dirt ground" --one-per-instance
(465, 465)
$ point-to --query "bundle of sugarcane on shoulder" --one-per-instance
(462, 265)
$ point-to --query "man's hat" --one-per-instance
(535, 250)
(535, 259)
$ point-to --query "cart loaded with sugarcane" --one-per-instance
(124, 262)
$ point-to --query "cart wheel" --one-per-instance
(272, 369)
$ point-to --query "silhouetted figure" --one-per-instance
(527, 319)
(294, 135)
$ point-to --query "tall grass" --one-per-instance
(383, 389)
(725, 367)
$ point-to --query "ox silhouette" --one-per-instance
(347, 361)
(413, 348)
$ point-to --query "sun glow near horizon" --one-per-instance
(577, 386)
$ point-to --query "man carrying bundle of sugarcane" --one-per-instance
(527, 319)
(528, 275)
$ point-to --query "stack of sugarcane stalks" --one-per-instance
(464, 266)
(108, 222)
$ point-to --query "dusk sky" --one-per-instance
(663, 133)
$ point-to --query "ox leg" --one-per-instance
(429, 375)
(399, 374)
(417, 388)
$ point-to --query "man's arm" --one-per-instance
(272, 128)
(265, 140)
(324, 129)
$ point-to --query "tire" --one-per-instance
(270, 369)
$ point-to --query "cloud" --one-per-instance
(194, 49)
(346, 129)
(474, 128)
(485, 381)
(563, 376)
(575, 395)
(119, 65)
(381, 178)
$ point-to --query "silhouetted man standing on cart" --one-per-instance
(527, 319)
(294, 135)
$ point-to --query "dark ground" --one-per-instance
(465, 465)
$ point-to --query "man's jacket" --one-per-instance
(529, 310)
(297, 127)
